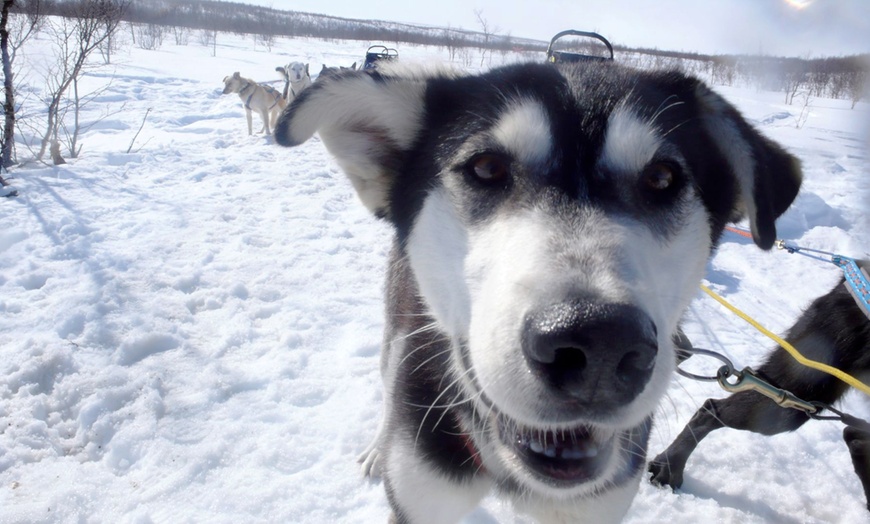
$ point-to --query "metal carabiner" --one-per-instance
(748, 380)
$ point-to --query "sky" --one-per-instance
(799, 28)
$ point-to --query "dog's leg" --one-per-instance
(250, 122)
(746, 410)
(858, 441)
(264, 115)
(369, 459)
(419, 494)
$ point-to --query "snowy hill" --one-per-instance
(190, 332)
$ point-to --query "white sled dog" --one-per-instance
(296, 78)
(264, 99)
(552, 223)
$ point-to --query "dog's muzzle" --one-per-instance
(595, 357)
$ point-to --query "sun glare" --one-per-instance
(799, 4)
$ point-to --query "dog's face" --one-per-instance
(296, 71)
(557, 222)
(233, 83)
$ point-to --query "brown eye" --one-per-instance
(489, 168)
(659, 176)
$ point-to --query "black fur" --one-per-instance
(834, 331)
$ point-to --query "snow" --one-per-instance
(189, 332)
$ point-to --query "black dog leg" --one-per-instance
(747, 410)
(859, 447)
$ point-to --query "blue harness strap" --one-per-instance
(857, 281)
(855, 271)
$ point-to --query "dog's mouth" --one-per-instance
(561, 457)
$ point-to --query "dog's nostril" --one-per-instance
(636, 364)
(570, 359)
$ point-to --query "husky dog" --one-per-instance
(264, 99)
(835, 330)
(329, 71)
(296, 78)
(552, 223)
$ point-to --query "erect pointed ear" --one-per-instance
(368, 121)
(236, 75)
(768, 176)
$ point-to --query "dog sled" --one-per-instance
(569, 57)
(376, 53)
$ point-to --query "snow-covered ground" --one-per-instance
(190, 332)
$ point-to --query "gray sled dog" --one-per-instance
(296, 78)
(552, 224)
(264, 99)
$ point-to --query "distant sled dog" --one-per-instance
(296, 78)
(264, 99)
(552, 223)
(834, 330)
(326, 72)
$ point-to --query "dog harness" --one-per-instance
(857, 281)
(269, 89)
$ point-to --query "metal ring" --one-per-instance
(725, 371)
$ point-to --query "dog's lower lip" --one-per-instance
(569, 456)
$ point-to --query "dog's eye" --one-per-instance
(659, 176)
(489, 168)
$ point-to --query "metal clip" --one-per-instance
(748, 380)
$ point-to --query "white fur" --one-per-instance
(524, 130)
(424, 491)
(298, 77)
(630, 142)
(361, 121)
(437, 248)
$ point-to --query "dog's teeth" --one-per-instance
(580, 452)
(550, 452)
(536, 446)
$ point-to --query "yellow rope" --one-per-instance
(845, 377)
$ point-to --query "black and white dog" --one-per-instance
(834, 330)
(551, 223)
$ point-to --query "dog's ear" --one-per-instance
(367, 121)
(236, 75)
(306, 70)
(768, 176)
(353, 66)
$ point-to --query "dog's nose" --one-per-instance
(600, 355)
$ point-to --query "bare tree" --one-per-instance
(151, 36)
(75, 40)
(10, 41)
(857, 86)
(182, 35)
(488, 32)
(267, 40)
